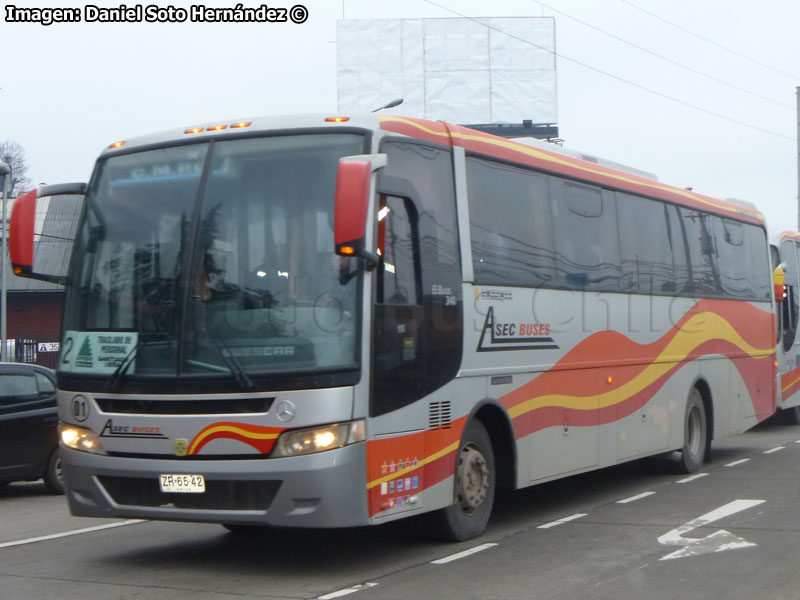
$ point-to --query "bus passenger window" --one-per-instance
(397, 240)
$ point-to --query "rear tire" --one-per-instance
(695, 434)
(53, 475)
(475, 484)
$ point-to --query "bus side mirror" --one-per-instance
(20, 241)
(36, 252)
(778, 282)
(351, 206)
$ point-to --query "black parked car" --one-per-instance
(29, 426)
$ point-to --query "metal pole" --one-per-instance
(6, 187)
(797, 91)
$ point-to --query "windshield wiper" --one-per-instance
(236, 369)
(122, 367)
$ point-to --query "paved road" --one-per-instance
(635, 531)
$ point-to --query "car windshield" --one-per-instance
(214, 258)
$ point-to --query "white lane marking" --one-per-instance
(562, 521)
(347, 591)
(458, 555)
(692, 478)
(635, 498)
(719, 541)
(55, 536)
(738, 462)
(797, 441)
(774, 450)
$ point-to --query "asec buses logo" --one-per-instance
(514, 336)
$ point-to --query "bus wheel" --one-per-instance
(475, 475)
(695, 434)
(791, 416)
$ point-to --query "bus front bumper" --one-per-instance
(327, 489)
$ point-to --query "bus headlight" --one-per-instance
(319, 439)
(79, 438)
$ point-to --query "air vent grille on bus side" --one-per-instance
(439, 415)
(184, 407)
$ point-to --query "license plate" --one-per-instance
(183, 484)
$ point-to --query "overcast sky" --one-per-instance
(69, 90)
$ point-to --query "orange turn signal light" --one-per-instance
(347, 250)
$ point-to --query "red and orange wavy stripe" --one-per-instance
(790, 383)
(579, 383)
(638, 371)
(256, 436)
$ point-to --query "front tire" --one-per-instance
(695, 434)
(475, 484)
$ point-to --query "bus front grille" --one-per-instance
(219, 494)
(184, 407)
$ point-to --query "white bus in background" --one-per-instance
(785, 260)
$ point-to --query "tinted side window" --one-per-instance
(789, 258)
(46, 386)
(789, 306)
(762, 269)
(651, 246)
(736, 271)
(586, 236)
(680, 249)
(398, 247)
(699, 228)
(17, 387)
(512, 235)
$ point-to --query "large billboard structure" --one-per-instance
(487, 70)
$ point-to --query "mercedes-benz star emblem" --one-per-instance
(285, 411)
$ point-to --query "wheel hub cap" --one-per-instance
(472, 482)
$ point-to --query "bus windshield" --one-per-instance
(214, 258)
